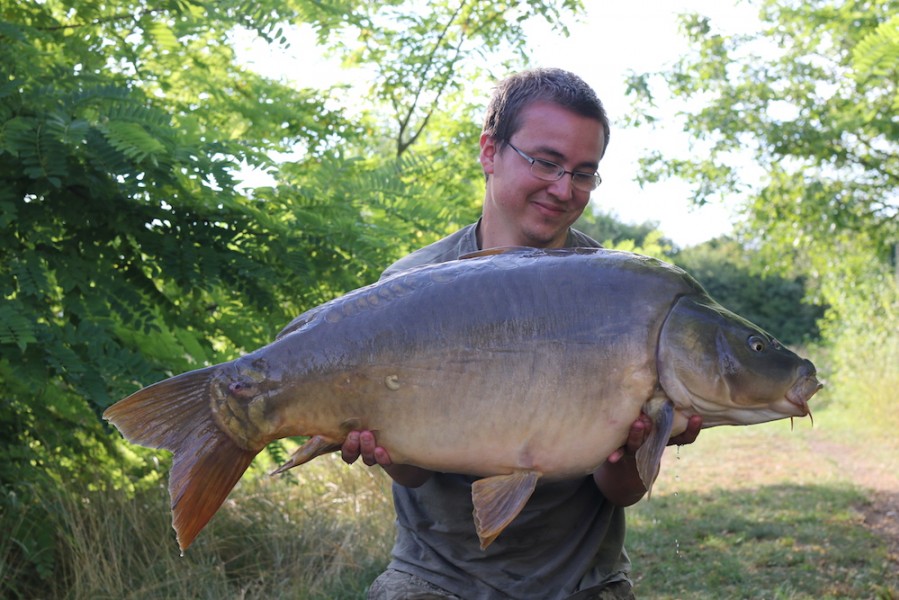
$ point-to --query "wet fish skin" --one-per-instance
(537, 361)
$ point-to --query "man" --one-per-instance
(544, 134)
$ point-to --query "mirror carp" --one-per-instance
(514, 365)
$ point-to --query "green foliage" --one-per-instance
(129, 250)
(776, 303)
(811, 99)
(865, 344)
(419, 52)
(613, 233)
(732, 274)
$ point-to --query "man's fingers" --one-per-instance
(367, 447)
(614, 457)
(349, 451)
(690, 434)
(382, 457)
(637, 435)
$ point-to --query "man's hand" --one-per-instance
(617, 478)
(689, 435)
(364, 444)
(639, 432)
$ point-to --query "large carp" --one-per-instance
(511, 365)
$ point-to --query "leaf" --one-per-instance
(163, 35)
(15, 327)
(133, 140)
(878, 52)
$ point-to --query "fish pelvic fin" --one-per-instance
(315, 446)
(176, 415)
(498, 500)
(649, 456)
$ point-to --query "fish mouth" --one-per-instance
(804, 388)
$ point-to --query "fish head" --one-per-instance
(717, 364)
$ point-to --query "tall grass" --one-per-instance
(861, 332)
(322, 532)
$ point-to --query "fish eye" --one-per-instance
(756, 343)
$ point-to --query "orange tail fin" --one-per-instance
(175, 415)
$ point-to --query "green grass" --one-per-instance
(765, 512)
(777, 541)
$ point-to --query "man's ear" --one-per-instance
(488, 153)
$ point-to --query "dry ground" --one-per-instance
(770, 454)
(879, 476)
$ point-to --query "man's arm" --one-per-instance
(617, 478)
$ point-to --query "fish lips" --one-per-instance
(800, 392)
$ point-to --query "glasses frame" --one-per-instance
(560, 171)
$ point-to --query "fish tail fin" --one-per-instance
(207, 463)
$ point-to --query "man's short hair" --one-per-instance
(514, 93)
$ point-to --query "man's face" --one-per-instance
(521, 209)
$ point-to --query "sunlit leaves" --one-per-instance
(807, 105)
(810, 99)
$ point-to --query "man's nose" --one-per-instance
(562, 188)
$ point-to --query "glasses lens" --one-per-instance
(550, 171)
(546, 170)
(585, 182)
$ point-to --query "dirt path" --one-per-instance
(882, 510)
(775, 453)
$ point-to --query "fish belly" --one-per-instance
(532, 373)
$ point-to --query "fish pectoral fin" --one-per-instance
(649, 456)
(314, 446)
(498, 500)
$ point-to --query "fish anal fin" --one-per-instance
(314, 446)
(649, 457)
(498, 500)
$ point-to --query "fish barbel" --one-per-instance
(512, 365)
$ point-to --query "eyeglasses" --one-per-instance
(550, 171)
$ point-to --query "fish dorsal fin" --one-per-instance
(498, 500)
(649, 457)
(495, 251)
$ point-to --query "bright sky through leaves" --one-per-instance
(613, 37)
